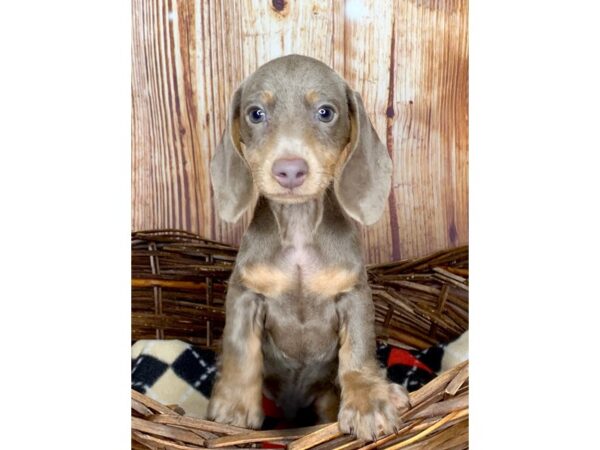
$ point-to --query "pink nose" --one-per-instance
(290, 173)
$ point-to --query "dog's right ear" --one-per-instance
(230, 175)
(363, 186)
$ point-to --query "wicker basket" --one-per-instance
(178, 286)
(178, 291)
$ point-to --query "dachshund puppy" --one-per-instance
(300, 149)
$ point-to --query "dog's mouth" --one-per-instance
(299, 194)
(290, 196)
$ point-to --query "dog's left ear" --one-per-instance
(363, 184)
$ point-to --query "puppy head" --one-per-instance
(295, 127)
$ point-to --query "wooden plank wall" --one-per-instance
(408, 58)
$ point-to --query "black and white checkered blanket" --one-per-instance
(176, 373)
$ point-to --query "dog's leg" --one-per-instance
(370, 404)
(327, 405)
(236, 398)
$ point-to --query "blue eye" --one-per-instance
(325, 114)
(256, 115)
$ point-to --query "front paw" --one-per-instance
(242, 408)
(371, 408)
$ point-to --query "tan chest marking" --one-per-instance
(266, 280)
(271, 281)
(331, 281)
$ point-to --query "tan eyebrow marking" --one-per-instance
(312, 96)
(267, 97)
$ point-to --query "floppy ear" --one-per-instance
(363, 184)
(230, 175)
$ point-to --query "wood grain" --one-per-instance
(408, 59)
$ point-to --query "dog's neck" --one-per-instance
(298, 222)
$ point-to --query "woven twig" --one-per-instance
(178, 286)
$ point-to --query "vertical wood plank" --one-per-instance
(367, 52)
(167, 174)
(430, 125)
(219, 37)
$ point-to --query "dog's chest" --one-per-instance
(301, 268)
(299, 281)
(301, 321)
